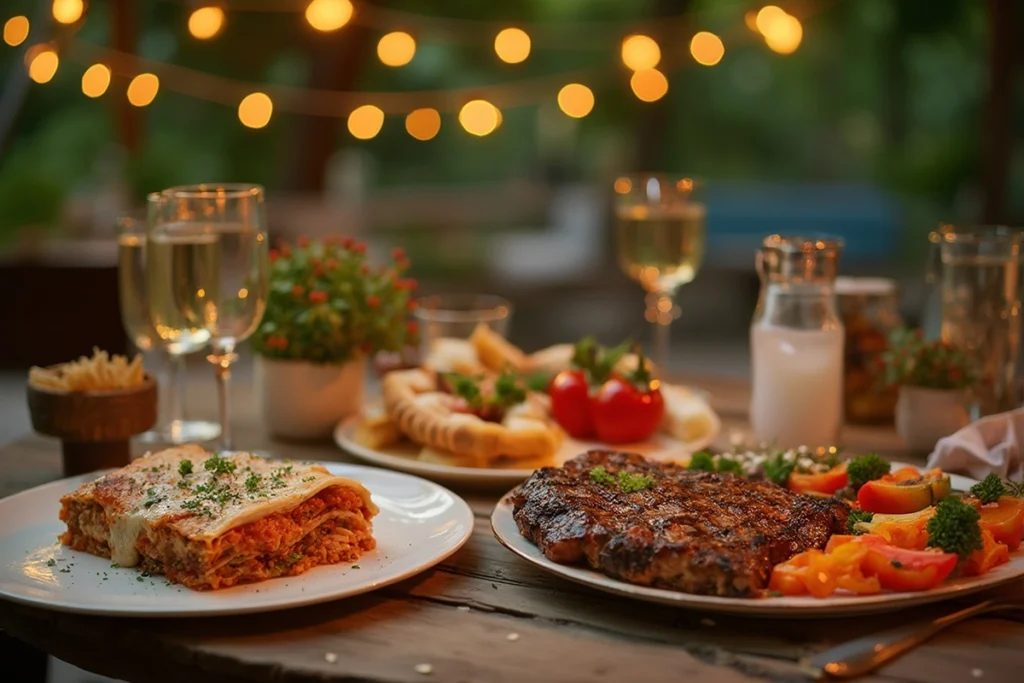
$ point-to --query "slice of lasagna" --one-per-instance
(211, 521)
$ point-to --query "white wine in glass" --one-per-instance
(659, 242)
(212, 258)
(133, 293)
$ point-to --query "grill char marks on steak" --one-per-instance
(695, 532)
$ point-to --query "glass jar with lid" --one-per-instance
(869, 307)
(796, 342)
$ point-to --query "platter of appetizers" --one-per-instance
(720, 536)
(483, 412)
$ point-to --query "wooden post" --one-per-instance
(997, 132)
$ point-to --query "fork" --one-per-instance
(863, 655)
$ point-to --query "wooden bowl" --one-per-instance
(95, 427)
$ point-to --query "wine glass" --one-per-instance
(659, 242)
(210, 253)
(132, 288)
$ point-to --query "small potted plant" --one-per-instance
(328, 311)
(934, 380)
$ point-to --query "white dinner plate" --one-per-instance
(419, 525)
(402, 456)
(508, 535)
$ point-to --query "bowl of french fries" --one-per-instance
(94, 405)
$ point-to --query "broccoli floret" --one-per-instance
(702, 461)
(954, 528)
(866, 468)
(731, 466)
(989, 489)
(857, 516)
(777, 469)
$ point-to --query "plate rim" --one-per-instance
(465, 513)
(751, 607)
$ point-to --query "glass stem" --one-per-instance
(661, 311)
(222, 369)
(176, 390)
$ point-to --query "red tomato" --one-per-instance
(1005, 520)
(623, 413)
(826, 482)
(906, 570)
(570, 403)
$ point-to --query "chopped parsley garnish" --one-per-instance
(599, 475)
(51, 562)
(253, 482)
(508, 391)
(630, 482)
(897, 564)
(702, 461)
(355, 566)
(139, 579)
(277, 476)
(185, 468)
(219, 465)
(306, 480)
(212, 492)
(182, 484)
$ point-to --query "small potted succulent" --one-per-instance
(328, 311)
(934, 380)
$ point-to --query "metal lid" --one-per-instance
(798, 259)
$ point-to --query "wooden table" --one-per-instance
(460, 617)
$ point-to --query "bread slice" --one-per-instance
(495, 352)
(688, 417)
(377, 430)
(453, 355)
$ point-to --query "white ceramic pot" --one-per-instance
(923, 416)
(302, 400)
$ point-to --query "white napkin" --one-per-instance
(993, 444)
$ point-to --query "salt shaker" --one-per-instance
(796, 341)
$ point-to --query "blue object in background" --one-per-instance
(741, 215)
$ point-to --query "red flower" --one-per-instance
(318, 271)
(406, 284)
(317, 296)
(412, 304)
(364, 269)
(331, 263)
(347, 242)
(359, 247)
(373, 301)
(315, 261)
(274, 255)
(277, 342)
(303, 242)
(286, 251)
(398, 253)
(412, 327)
(366, 347)
(298, 290)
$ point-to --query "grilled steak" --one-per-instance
(696, 532)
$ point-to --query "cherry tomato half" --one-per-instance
(570, 403)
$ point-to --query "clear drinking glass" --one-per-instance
(209, 264)
(172, 428)
(659, 242)
(457, 315)
(980, 293)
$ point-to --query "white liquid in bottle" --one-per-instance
(798, 386)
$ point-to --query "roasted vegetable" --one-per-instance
(866, 468)
(1004, 520)
(955, 528)
(825, 483)
(903, 491)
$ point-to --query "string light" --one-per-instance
(640, 52)
(143, 89)
(576, 100)
(365, 122)
(479, 117)
(396, 48)
(43, 65)
(649, 85)
(67, 11)
(16, 30)
(423, 124)
(512, 45)
(707, 48)
(750, 19)
(96, 80)
(766, 16)
(255, 109)
(206, 22)
(784, 35)
(328, 15)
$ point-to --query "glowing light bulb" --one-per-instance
(640, 52)
(67, 11)
(512, 45)
(766, 16)
(423, 124)
(365, 122)
(785, 35)
(255, 109)
(328, 15)
(143, 89)
(649, 85)
(707, 48)
(16, 30)
(479, 117)
(576, 100)
(206, 22)
(96, 80)
(396, 48)
(43, 66)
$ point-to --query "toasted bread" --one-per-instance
(495, 352)
(688, 417)
(453, 355)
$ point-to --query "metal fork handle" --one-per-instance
(864, 655)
